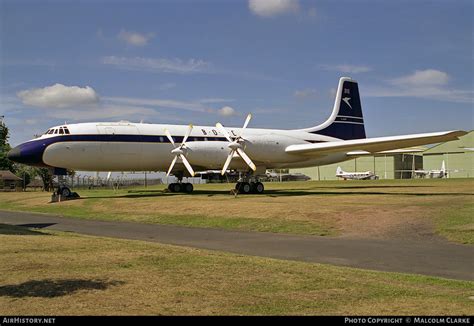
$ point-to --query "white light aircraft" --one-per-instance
(433, 174)
(182, 150)
(368, 175)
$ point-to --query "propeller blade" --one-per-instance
(227, 162)
(188, 132)
(187, 165)
(167, 133)
(172, 165)
(223, 131)
(246, 159)
(246, 123)
(108, 175)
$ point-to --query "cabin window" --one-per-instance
(61, 131)
(66, 131)
(55, 131)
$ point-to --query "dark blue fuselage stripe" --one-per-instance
(129, 138)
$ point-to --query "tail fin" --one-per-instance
(346, 121)
(339, 171)
(443, 167)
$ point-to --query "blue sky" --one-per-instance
(202, 62)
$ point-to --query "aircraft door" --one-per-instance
(121, 146)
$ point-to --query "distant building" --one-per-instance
(35, 184)
(458, 156)
(9, 181)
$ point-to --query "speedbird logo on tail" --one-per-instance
(346, 99)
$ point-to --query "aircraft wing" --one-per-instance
(374, 145)
(409, 150)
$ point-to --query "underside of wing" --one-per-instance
(374, 145)
(406, 150)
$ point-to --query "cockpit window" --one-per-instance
(60, 131)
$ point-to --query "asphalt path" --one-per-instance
(433, 257)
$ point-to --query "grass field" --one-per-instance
(55, 273)
(371, 209)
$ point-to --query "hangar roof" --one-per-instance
(464, 144)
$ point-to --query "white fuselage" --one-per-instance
(126, 146)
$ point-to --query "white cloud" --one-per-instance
(429, 84)
(304, 93)
(346, 68)
(428, 77)
(134, 38)
(215, 100)
(270, 8)
(59, 96)
(157, 64)
(226, 111)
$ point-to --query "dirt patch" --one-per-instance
(409, 223)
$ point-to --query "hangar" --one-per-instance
(458, 156)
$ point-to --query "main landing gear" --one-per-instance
(249, 185)
(181, 187)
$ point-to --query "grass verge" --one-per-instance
(55, 273)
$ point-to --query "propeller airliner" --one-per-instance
(182, 150)
(367, 175)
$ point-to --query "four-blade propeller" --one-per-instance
(236, 146)
(178, 151)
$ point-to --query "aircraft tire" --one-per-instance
(188, 188)
(258, 188)
(170, 187)
(176, 187)
(245, 188)
(65, 191)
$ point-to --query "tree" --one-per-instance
(5, 163)
(27, 173)
(47, 177)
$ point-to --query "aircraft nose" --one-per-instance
(30, 153)
(14, 155)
